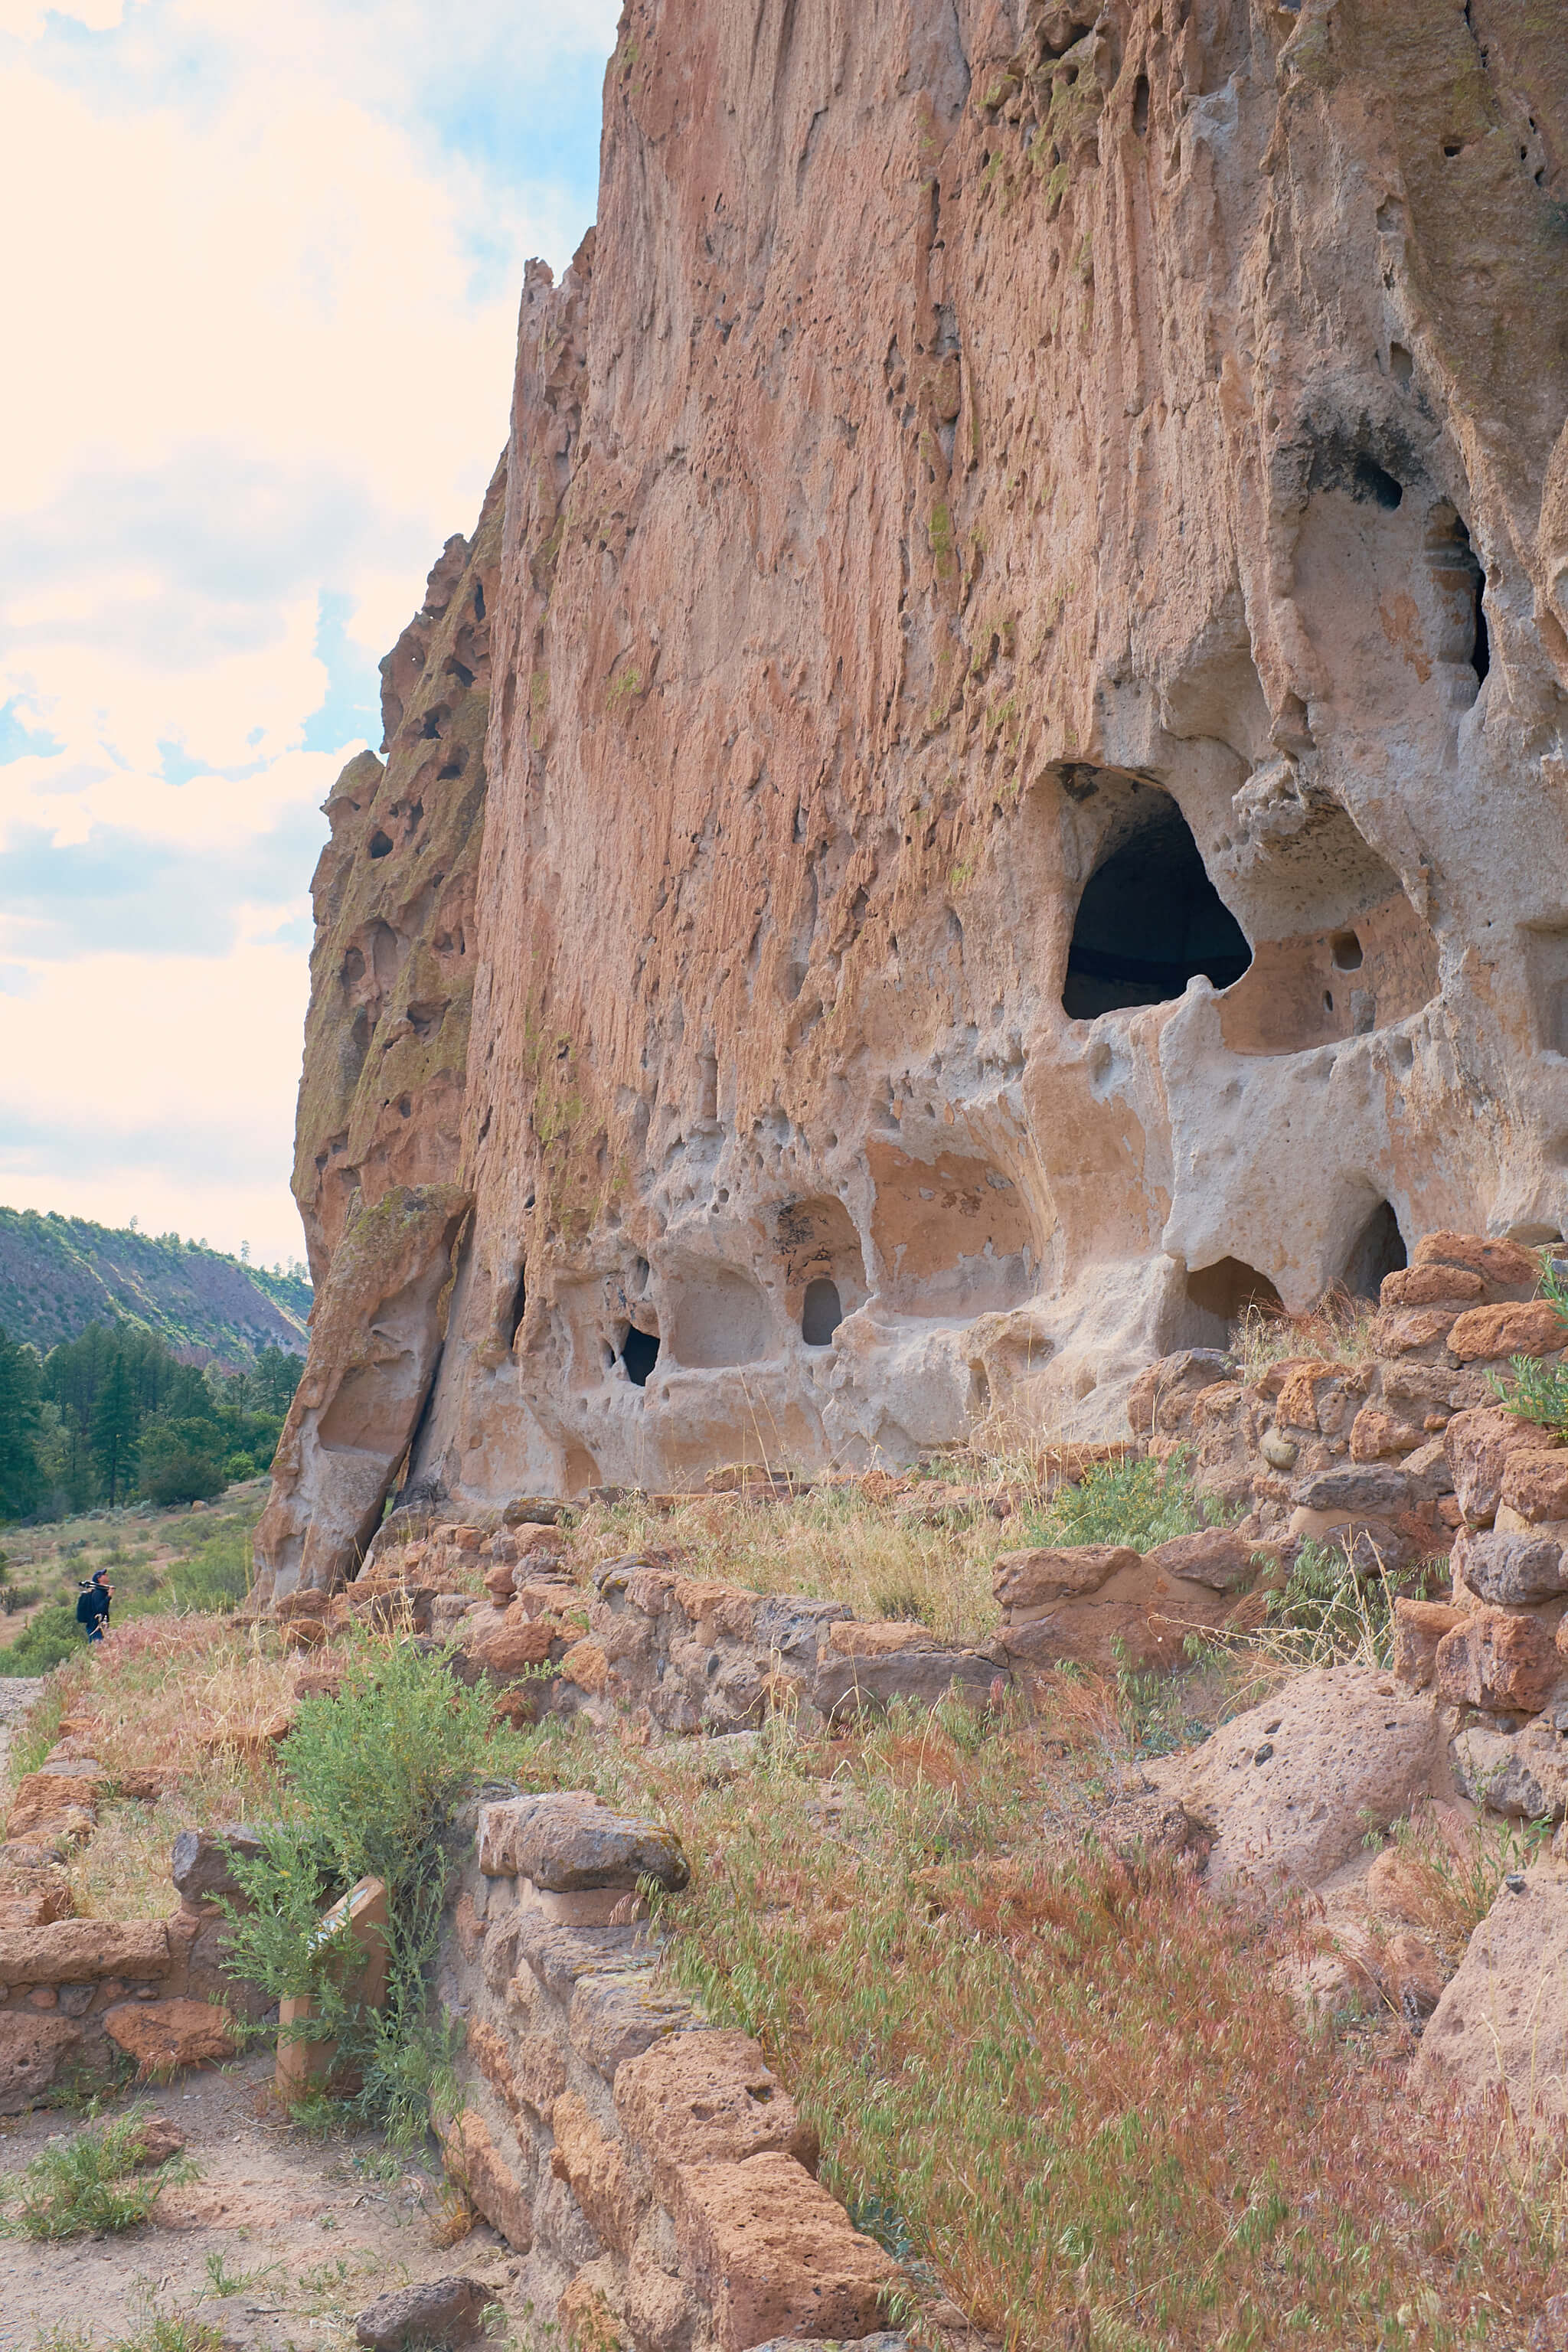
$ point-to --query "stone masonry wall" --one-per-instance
(654, 2174)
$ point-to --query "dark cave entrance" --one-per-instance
(1377, 1250)
(1150, 921)
(640, 1353)
(821, 1313)
(1229, 1287)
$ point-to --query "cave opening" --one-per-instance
(1150, 921)
(1378, 1250)
(821, 1312)
(518, 1307)
(1229, 1287)
(379, 845)
(639, 1354)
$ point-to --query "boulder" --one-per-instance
(1290, 1789)
(774, 2254)
(1034, 1579)
(165, 2036)
(1509, 1567)
(571, 1843)
(1495, 1659)
(442, 2312)
(1501, 2026)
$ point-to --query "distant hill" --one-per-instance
(59, 1274)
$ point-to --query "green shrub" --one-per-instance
(45, 1641)
(1138, 1501)
(184, 1477)
(92, 2183)
(215, 1575)
(1534, 1391)
(375, 1777)
(1329, 1615)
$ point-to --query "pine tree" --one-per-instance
(21, 1476)
(116, 1421)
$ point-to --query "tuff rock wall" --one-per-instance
(1023, 630)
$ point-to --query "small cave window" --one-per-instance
(1378, 1250)
(1371, 480)
(640, 1353)
(1229, 1287)
(1140, 106)
(518, 1307)
(379, 845)
(1150, 921)
(821, 1314)
(1346, 951)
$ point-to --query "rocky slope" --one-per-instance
(57, 1275)
(1023, 633)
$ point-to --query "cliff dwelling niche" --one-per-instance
(719, 1318)
(823, 1270)
(639, 1354)
(821, 1314)
(1150, 919)
(954, 1236)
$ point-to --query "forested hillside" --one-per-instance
(113, 1415)
(58, 1274)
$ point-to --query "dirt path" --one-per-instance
(303, 2232)
(17, 1693)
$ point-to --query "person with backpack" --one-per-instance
(92, 1605)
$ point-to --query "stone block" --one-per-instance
(595, 2170)
(1524, 1774)
(1431, 1286)
(1380, 1436)
(481, 2171)
(36, 2051)
(616, 2017)
(1364, 1490)
(1032, 1578)
(844, 1687)
(441, 2312)
(570, 1842)
(1509, 1567)
(1507, 1268)
(1492, 1659)
(516, 1642)
(774, 2254)
(794, 1628)
(1484, 1334)
(1217, 1557)
(1478, 1443)
(165, 2036)
(1535, 1483)
(76, 1951)
(850, 1639)
(558, 1956)
(1418, 1627)
(706, 2097)
(202, 1862)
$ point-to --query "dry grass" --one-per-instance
(1048, 2080)
(842, 1543)
(1337, 1331)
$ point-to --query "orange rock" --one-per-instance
(499, 1583)
(586, 1666)
(705, 2098)
(595, 2170)
(516, 1642)
(482, 2172)
(1378, 1436)
(1500, 1265)
(720, 1609)
(1418, 1627)
(1478, 1444)
(1431, 1286)
(72, 1951)
(1493, 1658)
(585, 2320)
(1535, 1483)
(62, 1805)
(164, 2036)
(1485, 1333)
(774, 2255)
(1408, 1334)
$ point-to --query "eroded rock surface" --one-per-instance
(1025, 761)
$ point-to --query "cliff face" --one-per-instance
(1029, 778)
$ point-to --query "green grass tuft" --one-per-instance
(91, 2184)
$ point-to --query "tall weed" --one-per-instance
(1138, 1501)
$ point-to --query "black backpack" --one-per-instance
(85, 1612)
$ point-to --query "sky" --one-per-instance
(263, 278)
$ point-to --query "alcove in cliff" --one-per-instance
(1378, 1250)
(639, 1354)
(1150, 919)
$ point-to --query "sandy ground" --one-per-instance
(303, 2233)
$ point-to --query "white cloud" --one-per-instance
(265, 314)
